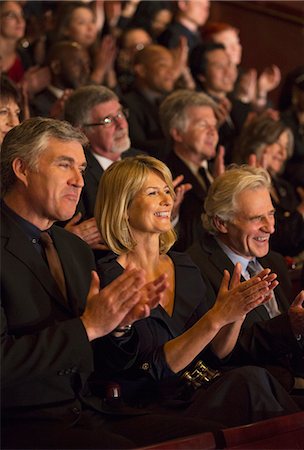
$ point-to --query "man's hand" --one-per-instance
(86, 230)
(180, 191)
(122, 302)
(296, 314)
(236, 299)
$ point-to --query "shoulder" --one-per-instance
(108, 268)
(63, 237)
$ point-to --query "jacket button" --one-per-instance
(76, 410)
(145, 366)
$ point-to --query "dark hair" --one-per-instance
(198, 58)
(9, 90)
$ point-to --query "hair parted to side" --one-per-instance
(28, 140)
(77, 109)
(259, 133)
(117, 188)
(222, 197)
(173, 110)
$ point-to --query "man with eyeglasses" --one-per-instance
(96, 110)
(188, 118)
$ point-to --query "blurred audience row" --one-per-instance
(177, 91)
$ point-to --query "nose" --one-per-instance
(268, 224)
(12, 119)
(77, 178)
(166, 199)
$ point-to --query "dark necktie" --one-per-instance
(54, 262)
(272, 307)
(204, 176)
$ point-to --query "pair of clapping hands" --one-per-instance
(129, 298)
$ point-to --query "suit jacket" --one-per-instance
(46, 355)
(42, 103)
(262, 340)
(144, 125)
(92, 177)
(192, 206)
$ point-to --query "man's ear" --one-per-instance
(55, 66)
(220, 225)
(176, 135)
(201, 78)
(140, 70)
(20, 170)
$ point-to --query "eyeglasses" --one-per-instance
(12, 15)
(108, 121)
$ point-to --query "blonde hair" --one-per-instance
(117, 188)
(221, 200)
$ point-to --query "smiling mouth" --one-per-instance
(166, 214)
(262, 239)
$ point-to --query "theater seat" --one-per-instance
(285, 432)
(203, 441)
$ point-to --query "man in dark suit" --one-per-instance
(96, 110)
(188, 118)
(69, 66)
(46, 331)
(154, 78)
(239, 219)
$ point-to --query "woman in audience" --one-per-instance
(12, 29)
(9, 106)
(76, 22)
(133, 210)
(270, 143)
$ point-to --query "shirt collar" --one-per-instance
(103, 161)
(234, 257)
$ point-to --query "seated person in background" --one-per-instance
(271, 143)
(293, 117)
(154, 16)
(188, 17)
(76, 21)
(249, 87)
(136, 225)
(154, 78)
(47, 324)
(9, 106)
(96, 110)
(215, 74)
(129, 43)
(188, 119)
(69, 66)
(238, 222)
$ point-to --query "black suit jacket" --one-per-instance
(46, 355)
(144, 125)
(42, 103)
(262, 340)
(192, 207)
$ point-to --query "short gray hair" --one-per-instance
(28, 140)
(77, 109)
(173, 110)
(221, 200)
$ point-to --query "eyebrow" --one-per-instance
(70, 160)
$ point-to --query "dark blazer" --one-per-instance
(192, 206)
(46, 355)
(42, 103)
(144, 125)
(288, 238)
(92, 177)
(262, 338)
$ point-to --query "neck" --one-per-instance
(188, 154)
(188, 23)
(24, 209)
(216, 94)
(7, 47)
(145, 255)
